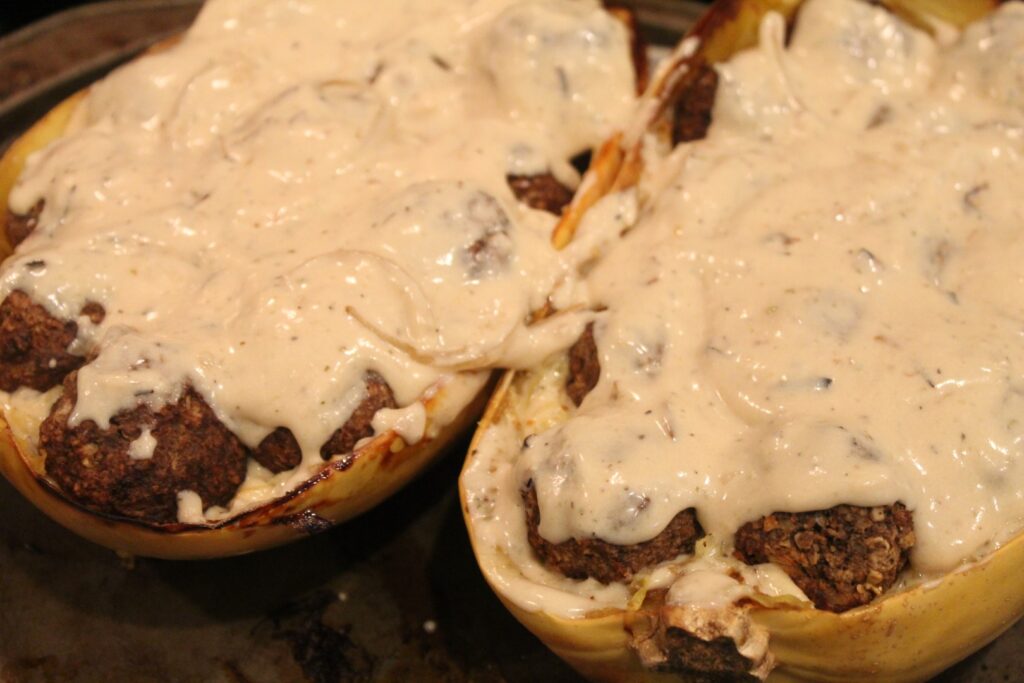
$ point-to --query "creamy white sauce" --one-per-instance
(409, 422)
(715, 581)
(294, 195)
(190, 508)
(143, 447)
(820, 305)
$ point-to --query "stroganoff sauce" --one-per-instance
(303, 191)
(821, 305)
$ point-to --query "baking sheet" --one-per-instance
(394, 595)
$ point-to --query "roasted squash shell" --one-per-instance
(340, 490)
(903, 636)
(906, 635)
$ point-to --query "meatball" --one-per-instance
(841, 558)
(607, 562)
(692, 115)
(541, 191)
(584, 366)
(193, 451)
(360, 424)
(34, 344)
(18, 226)
(280, 451)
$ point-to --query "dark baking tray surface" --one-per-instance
(394, 595)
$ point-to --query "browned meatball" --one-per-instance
(194, 451)
(584, 366)
(841, 558)
(359, 424)
(18, 226)
(692, 115)
(542, 191)
(280, 451)
(34, 344)
(607, 562)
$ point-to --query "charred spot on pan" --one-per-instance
(319, 644)
(606, 562)
(18, 226)
(194, 451)
(692, 114)
(541, 191)
(584, 367)
(34, 344)
(360, 424)
(840, 558)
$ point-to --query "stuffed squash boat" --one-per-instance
(261, 275)
(788, 443)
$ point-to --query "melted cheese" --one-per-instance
(302, 191)
(820, 305)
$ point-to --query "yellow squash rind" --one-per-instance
(337, 493)
(903, 636)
